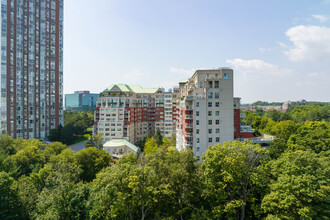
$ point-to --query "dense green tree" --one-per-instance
(311, 135)
(6, 144)
(282, 130)
(95, 141)
(30, 159)
(54, 149)
(275, 115)
(92, 160)
(150, 145)
(158, 186)
(310, 112)
(300, 187)
(158, 137)
(10, 206)
(232, 172)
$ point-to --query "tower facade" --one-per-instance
(205, 111)
(31, 67)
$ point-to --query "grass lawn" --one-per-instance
(82, 138)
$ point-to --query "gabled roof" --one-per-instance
(119, 143)
(131, 88)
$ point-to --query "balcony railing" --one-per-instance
(188, 134)
(189, 125)
(189, 117)
(189, 144)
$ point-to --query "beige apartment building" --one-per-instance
(131, 112)
(205, 110)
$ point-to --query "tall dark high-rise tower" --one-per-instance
(31, 67)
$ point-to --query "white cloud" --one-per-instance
(134, 76)
(182, 71)
(263, 50)
(282, 45)
(311, 43)
(321, 18)
(258, 67)
(259, 80)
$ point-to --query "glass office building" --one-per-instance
(31, 67)
(81, 101)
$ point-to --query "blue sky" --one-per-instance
(279, 50)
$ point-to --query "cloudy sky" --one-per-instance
(279, 49)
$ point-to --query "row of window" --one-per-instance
(210, 104)
(217, 131)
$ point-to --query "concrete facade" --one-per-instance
(205, 110)
(132, 113)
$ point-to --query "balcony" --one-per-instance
(188, 134)
(243, 115)
(189, 107)
(189, 125)
(189, 144)
(189, 117)
(189, 98)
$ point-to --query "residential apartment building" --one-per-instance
(132, 112)
(241, 130)
(81, 101)
(31, 67)
(205, 111)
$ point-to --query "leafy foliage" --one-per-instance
(76, 123)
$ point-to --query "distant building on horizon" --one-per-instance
(81, 101)
(288, 103)
(31, 67)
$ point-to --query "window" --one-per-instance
(210, 131)
(209, 104)
(197, 104)
(197, 131)
(210, 113)
(197, 113)
(210, 95)
(234, 129)
(210, 84)
(234, 120)
(200, 84)
(210, 122)
(217, 139)
(216, 84)
(217, 130)
(226, 76)
(197, 149)
(216, 76)
(216, 95)
(197, 122)
(217, 113)
(217, 122)
(210, 140)
(217, 104)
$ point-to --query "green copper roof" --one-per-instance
(121, 142)
(184, 81)
(131, 88)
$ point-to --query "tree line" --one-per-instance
(236, 180)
